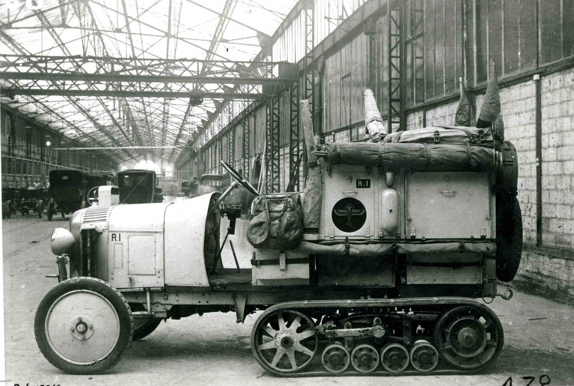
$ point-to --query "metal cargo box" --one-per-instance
(272, 267)
(449, 205)
(445, 268)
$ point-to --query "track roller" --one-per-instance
(424, 357)
(336, 358)
(394, 357)
(365, 358)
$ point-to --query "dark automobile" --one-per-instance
(67, 189)
(138, 186)
(32, 200)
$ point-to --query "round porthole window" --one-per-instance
(349, 215)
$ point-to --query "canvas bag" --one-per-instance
(277, 222)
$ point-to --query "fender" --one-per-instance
(185, 223)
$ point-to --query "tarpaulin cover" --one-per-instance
(443, 135)
(411, 156)
(378, 249)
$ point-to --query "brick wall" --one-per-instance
(415, 120)
(558, 159)
(548, 269)
(518, 106)
(442, 115)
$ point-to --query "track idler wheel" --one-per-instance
(469, 337)
(394, 357)
(336, 358)
(284, 341)
(365, 358)
(424, 356)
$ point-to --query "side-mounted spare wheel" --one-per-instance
(83, 326)
(508, 216)
(508, 238)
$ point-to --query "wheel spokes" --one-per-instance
(292, 361)
(296, 323)
(266, 346)
(302, 349)
(269, 330)
(284, 352)
(282, 324)
(305, 334)
(278, 355)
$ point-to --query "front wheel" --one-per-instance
(83, 326)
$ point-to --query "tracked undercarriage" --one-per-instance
(376, 336)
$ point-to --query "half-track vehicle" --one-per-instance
(376, 267)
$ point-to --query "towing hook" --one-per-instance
(507, 295)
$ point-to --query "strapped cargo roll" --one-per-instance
(410, 156)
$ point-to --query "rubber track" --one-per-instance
(370, 303)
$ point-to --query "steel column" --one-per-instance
(309, 70)
(219, 156)
(294, 142)
(273, 150)
(245, 146)
(395, 65)
(231, 147)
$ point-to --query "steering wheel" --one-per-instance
(92, 194)
(237, 177)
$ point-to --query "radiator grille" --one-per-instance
(95, 214)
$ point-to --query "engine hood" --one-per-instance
(138, 217)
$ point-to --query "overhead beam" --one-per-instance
(138, 78)
(117, 93)
(178, 68)
(113, 148)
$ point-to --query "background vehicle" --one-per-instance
(33, 200)
(99, 179)
(189, 188)
(374, 268)
(67, 189)
(138, 186)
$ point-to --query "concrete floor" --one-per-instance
(214, 350)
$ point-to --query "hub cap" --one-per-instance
(82, 327)
(336, 358)
(394, 357)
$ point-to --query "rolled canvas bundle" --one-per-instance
(411, 156)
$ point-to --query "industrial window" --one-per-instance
(344, 79)
(556, 25)
(414, 44)
(442, 47)
(518, 34)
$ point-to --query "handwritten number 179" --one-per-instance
(543, 380)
